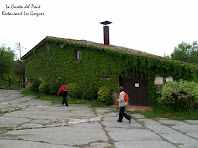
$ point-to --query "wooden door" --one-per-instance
(137, 89)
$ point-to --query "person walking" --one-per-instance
(65, 92)
(122, 105)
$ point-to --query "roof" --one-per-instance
(119, 48)
(85, 42)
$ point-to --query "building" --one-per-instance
(94, 65)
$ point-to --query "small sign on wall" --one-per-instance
(159, 80)
(169, 79)
(137, 85)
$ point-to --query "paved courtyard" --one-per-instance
(26, 122)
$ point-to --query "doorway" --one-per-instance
(137, 89)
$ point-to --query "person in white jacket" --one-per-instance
(122, 105)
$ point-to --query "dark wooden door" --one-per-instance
(137, 89)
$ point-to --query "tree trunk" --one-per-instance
(9, 80)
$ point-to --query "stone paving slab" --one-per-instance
(138, 116)
(192, 122)
(119, 134)
(143, 144)
(188, 127)
(12, 122)
(172, 122)
(29, 122)
(36, 102)
(53, 112)
(28, 144)
(173, 136)
(112, 123)
(78, 134)
(191, 130)
(9, 95)
(19, 100)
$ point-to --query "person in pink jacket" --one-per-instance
(65, 92)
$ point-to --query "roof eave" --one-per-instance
(35, 47)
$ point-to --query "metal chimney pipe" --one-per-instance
(106, 35)
(106, 31)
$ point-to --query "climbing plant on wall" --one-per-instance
(55, 57)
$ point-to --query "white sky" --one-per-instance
(153, 26)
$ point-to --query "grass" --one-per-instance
(58, 99)
(161, 113)
(5, 85)
(157, 113)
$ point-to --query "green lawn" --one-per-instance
(190, 115)
(58, 99)
(5, 85)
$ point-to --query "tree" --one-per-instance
(7, 63)
(186, 52)
(20, 69)
(19, 73)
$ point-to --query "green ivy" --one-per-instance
(49, 61)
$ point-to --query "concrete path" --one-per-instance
(26, 122)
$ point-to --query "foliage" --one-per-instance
(14, 84)
(44, 87)
(57, 99)
(90, 94)
(7, 63)
(186, 52)
(166, 112)
(181, 95)
(35, 85)
(74, 90)
(96, 61)
(20, 68)
(104, 95)
(54, 87)
(3, 84)
(11, 71)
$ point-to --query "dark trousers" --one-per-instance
(122, 113)
(64, 99)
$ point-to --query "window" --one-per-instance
(77, 55)
(61, 45)
(58, 79)
(105, 76)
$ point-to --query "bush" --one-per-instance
(54, 87)
(74, 90)
(35, 85)
(44, 87)
(181, 95)
(104, 95)
(3, 84)
(90, 94)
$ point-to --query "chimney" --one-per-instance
(106, 31)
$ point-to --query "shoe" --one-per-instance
(119, 121)
(130, 120)
(66, 105)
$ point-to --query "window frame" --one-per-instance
(78, 55)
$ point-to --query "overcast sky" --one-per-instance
(152, 26)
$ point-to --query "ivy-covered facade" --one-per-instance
(94, 65)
